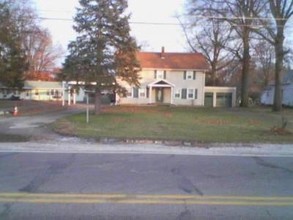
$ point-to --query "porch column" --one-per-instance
(69, 96)
(74, 96)
(214, 99)
(150, 95)
(172, 95)
(63, 93)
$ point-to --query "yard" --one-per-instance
(258, 125)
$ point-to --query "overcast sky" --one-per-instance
(59, 14)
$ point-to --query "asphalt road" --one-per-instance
(136, 186)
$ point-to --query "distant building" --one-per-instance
(267, 96)
(42, 91)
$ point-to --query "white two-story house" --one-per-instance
(168, 78)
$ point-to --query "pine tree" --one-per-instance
(103, 49)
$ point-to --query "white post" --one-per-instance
(150, 95)
(214, 99)
(69, 97)
(172, 94)
(87, 108)
(74, 96)
(63, 94)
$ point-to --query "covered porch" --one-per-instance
(160, 92)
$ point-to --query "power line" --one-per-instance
(131, 22)
(171, 23)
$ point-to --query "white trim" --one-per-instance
(154, 84)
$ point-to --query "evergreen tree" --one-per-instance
(104, 49)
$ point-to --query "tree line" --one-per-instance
(241, 35)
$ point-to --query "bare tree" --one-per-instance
(42, 55)
(274, 32)
(264, 57)
(239, 14)
(210, 38)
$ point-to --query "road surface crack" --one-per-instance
(264, 163)
(54, 169)
(185, 184)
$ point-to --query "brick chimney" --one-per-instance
(163, 53)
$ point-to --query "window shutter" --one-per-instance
(194, 75)
(195, 93)
(184, 75)
(155, 74)
(184, 94)
(165, 73)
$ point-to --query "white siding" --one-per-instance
(174, 77)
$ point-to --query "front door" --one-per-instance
(160, 95)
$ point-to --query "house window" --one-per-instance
(160, 74)
(135, 92)
(190, 93)
(142, 93)
(129, 93)
(189, 75)
(178, 93)
(183, 93)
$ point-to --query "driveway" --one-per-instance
(35, 127)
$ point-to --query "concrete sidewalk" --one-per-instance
(71, 145)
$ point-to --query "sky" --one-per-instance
(152, 37)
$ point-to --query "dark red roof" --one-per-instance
(172, 60)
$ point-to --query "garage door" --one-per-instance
(224, 100)
(208, 99)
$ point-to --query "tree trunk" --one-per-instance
(245, 71)
(277, 105)
(213, 74)
(97, 102)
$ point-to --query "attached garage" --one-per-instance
(224, 100)
(220, 97)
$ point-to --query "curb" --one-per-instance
(256, 150)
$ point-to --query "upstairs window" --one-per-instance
(189, 75)
(160, 74)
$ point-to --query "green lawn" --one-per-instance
(236, 125)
